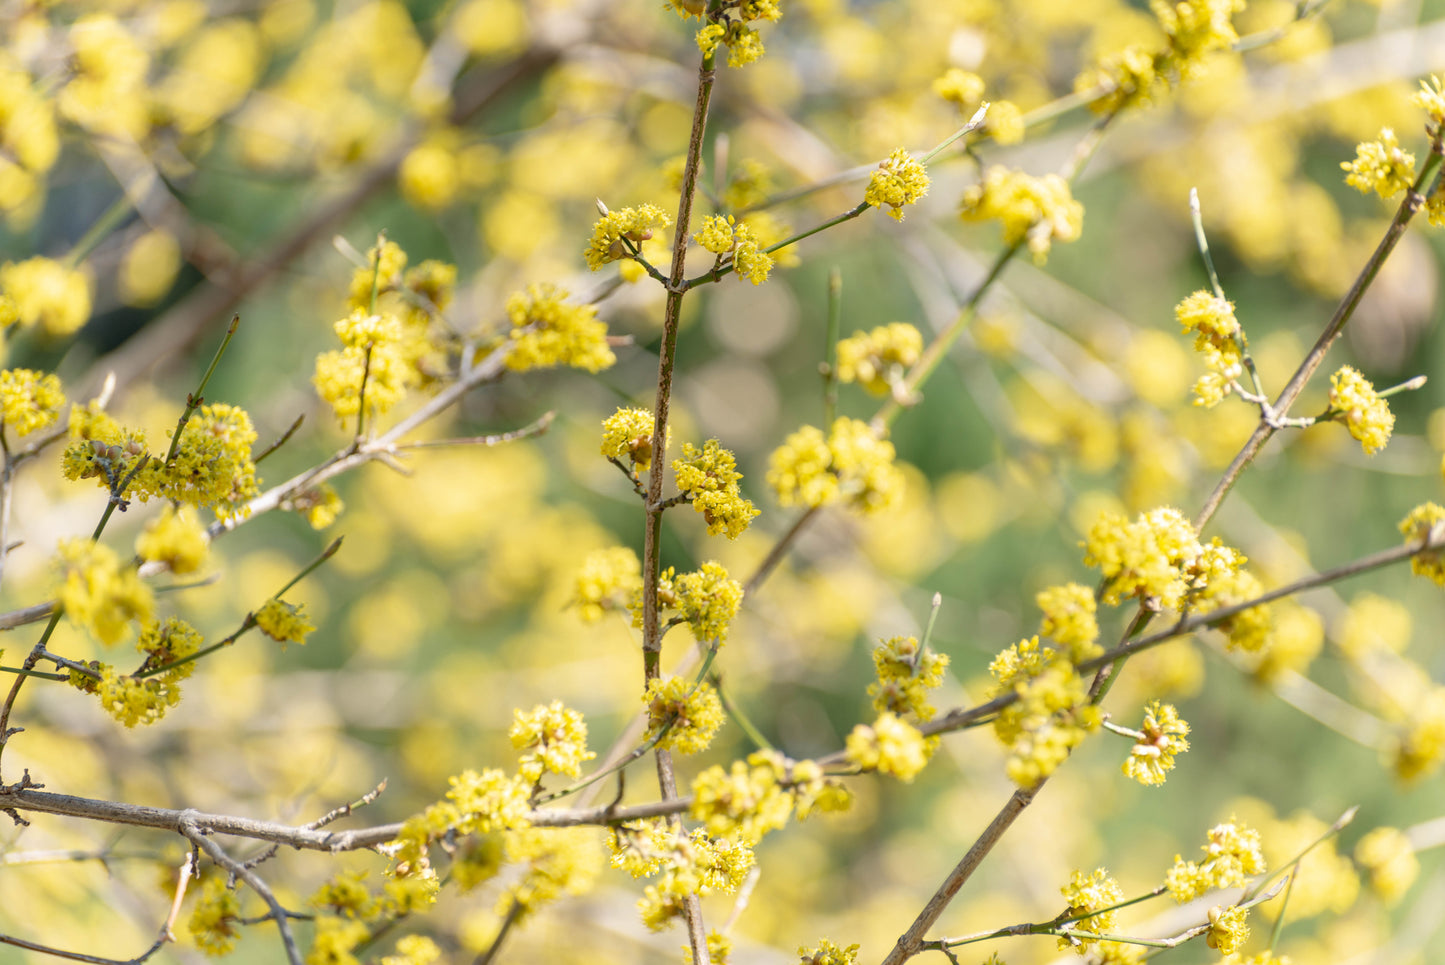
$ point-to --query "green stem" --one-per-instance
(195, 400)
(95, 234)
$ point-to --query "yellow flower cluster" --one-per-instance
(320, 505)
(1069, 618)
(1218, 338)
(853, 466)
(131, 700)
(1195, 29)
(215, 919)
(335, 939)
(1388, 860)
(608, 580)
(1250, 630)
(43, 292)
(748, 186)
(890, 746)
(1005, 122)
(709, 477)
(477, 802)
(692, 713)
(559, 861)
(618, 233)
(31, 140)
(554, 738)
(282, 621)
(826, 953)
(1032, 211)
(1227, 928)
(1419, 747)
(906, 673)
(877, 360)
(960, 87)
(899, 181)
(29, 400)
(1147, 558)
(370, 366)
(1431, 99)
(546, 331)
(1381, 166)
(730, 27)
(414, 950)
(751, 799)
(1426, 521)
(1088, 896)
(1365, 414)
(1051, 717)
(96, 592)
(693, 864)
(175, 538)
(627, 434)
(1232, 853)
(1128, 78)
(1152, 757)
(345, 896)
(725, 236)
(706, 599)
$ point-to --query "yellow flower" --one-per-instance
(1032, 211)
(1431, 98)
(1069, 619)
(546, 331)
(891, 746)
(283, 621)
(692, 713)
(709, 600)
(1380, 166)
(414, 950)
(1147, 558)
(828, 954)
(853, 466)
(1153, 757)
(554, 738)
(29, 400)
(709, 477)
(1365, 414)
(1087, 895)
(429, 176)
(46, 293)
(877, 360)
(959, 86)
(1005, 122)
(132, 700)
(906, 674)
(97, 593)
(321, 505)
(335, 939)
(612, 234)
(345, 896)
(1425, 522)
(1227, 928)
(1128, 77)
(214, 922)
(627, 434)
(1196, 28)
(608, 581)
(1231, 854)
(1388, 858)
(1218, 336)
(1419, 747)
(746, 801)
(900, 180)
(175, 538)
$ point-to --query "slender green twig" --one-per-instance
(196, 399)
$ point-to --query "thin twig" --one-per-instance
(187, 826)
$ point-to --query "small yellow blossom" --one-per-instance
(320, 505)
(616, 229)
(429, 176)
(853, 466)
(133, 700)
(283, 621)
(719, 949)
(709, 477)
(1051, 717)
(1218, 336)
(1146, 558)
(1373, 624)
(414, 950)
(1431, 99)
(215, 921)
(1425, 522)
(716, 234)
(608, 581)
(1227, 928)
(1005, 122)
(478, 860)
(1128, 79)
(826, 953)
(97, 593)
(692, 713)
(961, 87)
(747, 800)
(743, 43)
(1087, 896)
(877, 360)
(345, 895)
(546, 331)
(29, 400)
(708, 600)
(175, 538)
(383, 272)
(554, 738)
(1388, 859)
(149, 268)
(1365, 414)
(1152, 757)
(212, 467)
(46, 293)
(1419, 748)
(556, 862)
(900, 180)
(1231, 854)
(1195, 28)
(891, 746)
(335, 939)
(906, 673)
(1381, 166)
(1069, 619)
(1033, 211)
(748, 186)
(627, 434)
